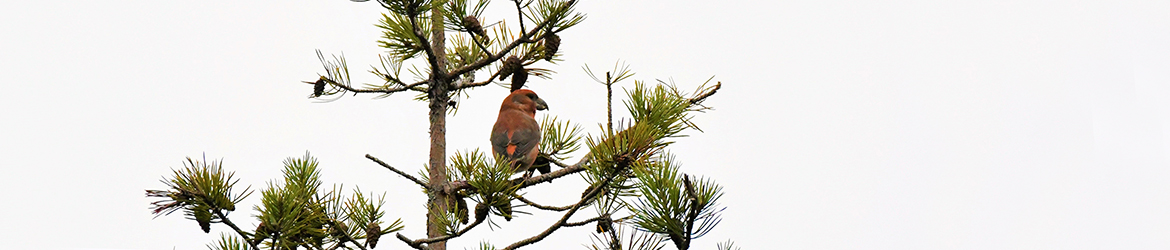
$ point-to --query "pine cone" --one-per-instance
(261, 233)
(319, 87)
(481, 211)
(461, 208)
(340, 229)
(510, 65)
(551, 43)
(203, 217)
(518, 78)
(542, 164)
(472, 24)
(373, 232)
(506, 211)
(604, 225)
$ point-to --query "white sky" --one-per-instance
(841, 125)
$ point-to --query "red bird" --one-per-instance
(516, 135)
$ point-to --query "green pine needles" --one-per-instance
(201, 190)
(671, 204)
(293, 212)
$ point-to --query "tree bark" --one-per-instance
(438, 118)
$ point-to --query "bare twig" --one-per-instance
(480, 45)
(558, 163)
(436, 70)
(542, 207)
(476, 84)
(350, 239)
(586, 222)
(578, 167)
(609, 100)
(410, 242)
(399, 172)
(520, 13)
(419, 242)
(694, 212)
(699, 97)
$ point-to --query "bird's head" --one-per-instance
(526, 100)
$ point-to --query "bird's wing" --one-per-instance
(499, 139)
(526, 138)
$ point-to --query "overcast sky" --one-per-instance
(840, 125)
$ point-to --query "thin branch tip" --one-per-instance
(399, 172)
(703, 96)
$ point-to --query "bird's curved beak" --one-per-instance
(540, 105)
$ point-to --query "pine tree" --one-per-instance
(635, 185)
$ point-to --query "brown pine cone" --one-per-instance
(461, 209)
(204, 218)
(551, 43)
(481, 211)
(604, 225)
(373, 232)
(505, 211)
(472, 25)
(261, 233)
(339, 229)
(518, 78)
(510, 65)
(319, 87)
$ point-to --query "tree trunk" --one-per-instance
(438, 118)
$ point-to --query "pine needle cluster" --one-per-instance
(202, 190)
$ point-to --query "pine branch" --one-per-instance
(578, 167)
(699, 97)
(558, 163)
(418, 244)
(475, 84)
(564, 219)
(349, 239)
(694, 199)
(524, 38)
(436, 69)
(519, 13)
(399, 172)
(410, 242)
(609, 100)
(413, 86)
(227, 221)
(586, 222)
(542, 207)
(480, 45)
